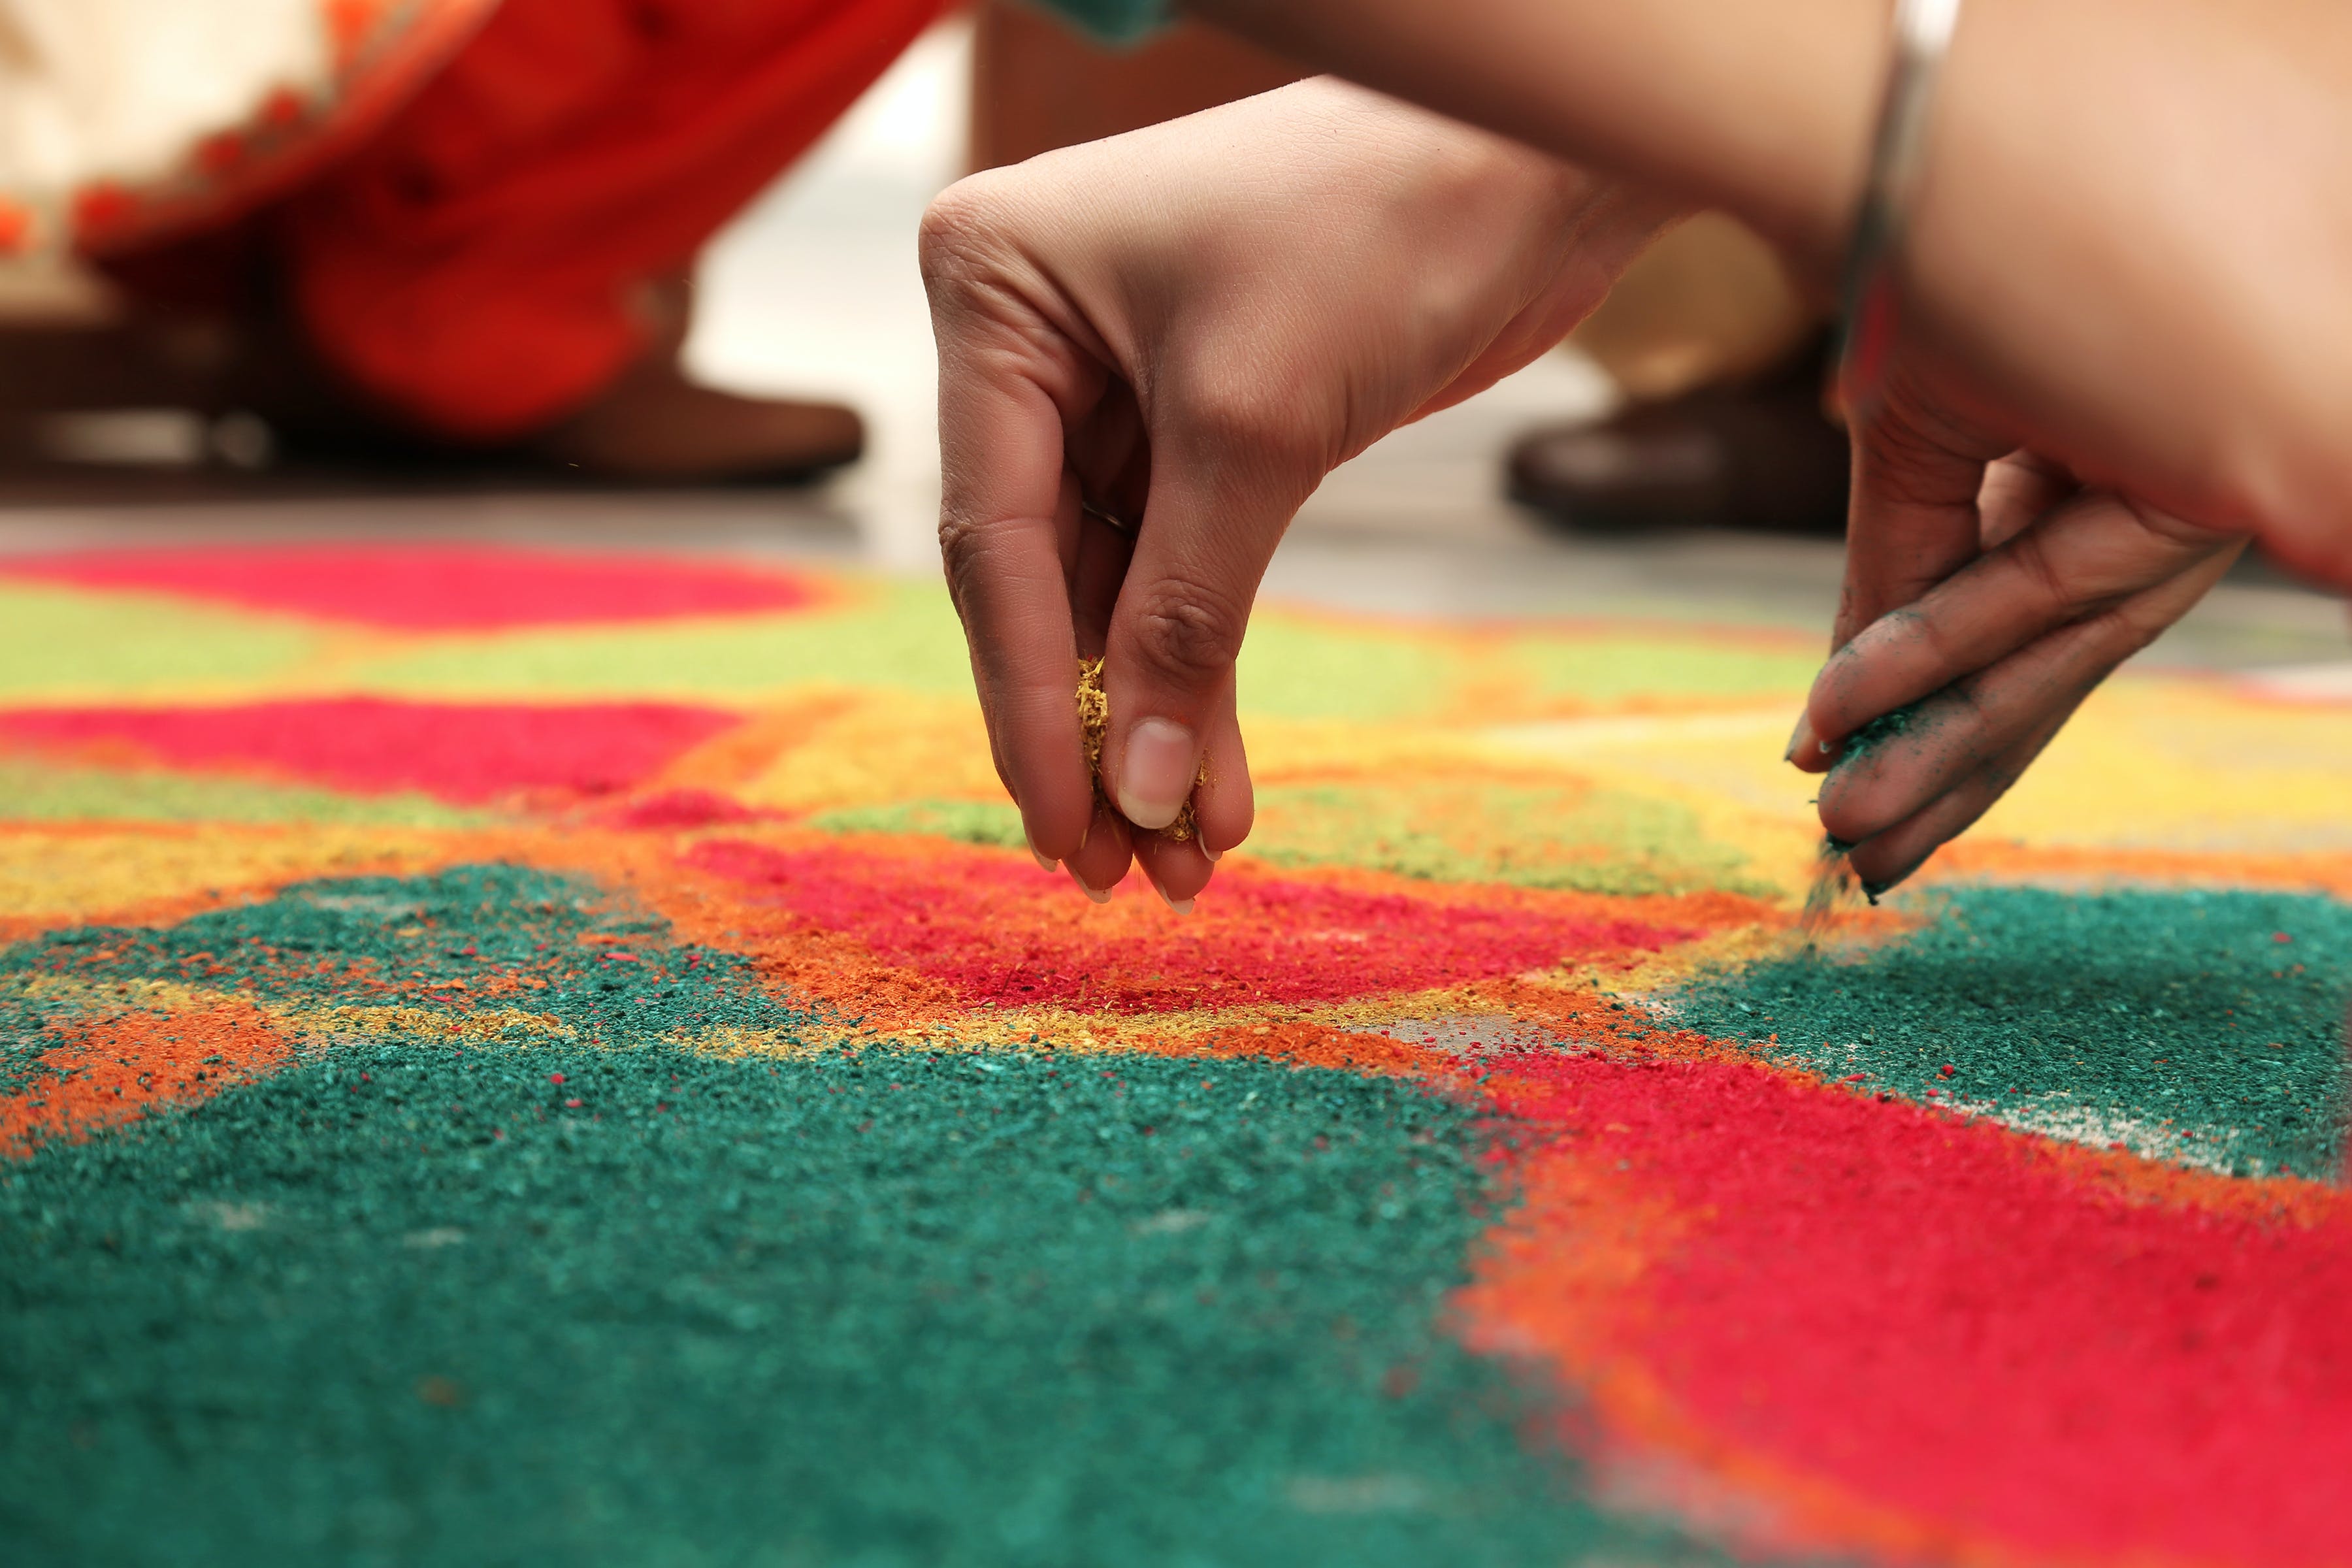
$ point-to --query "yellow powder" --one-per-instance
(1093, 721)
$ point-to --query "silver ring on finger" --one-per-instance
(1108, 518)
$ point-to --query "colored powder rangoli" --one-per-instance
(483, 1080)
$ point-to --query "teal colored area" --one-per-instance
(902, 635)
(2132, 1007)
(595, 968)
(40, 791)
(404, 1301)
(990, 822)
(1617, 668)
(114, 647)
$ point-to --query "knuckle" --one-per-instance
(1187, 632)
(962, 232)
(2133, 624)
(1948, 651)
(1251, 419)
(2030, 556)
(966, 546)
(1852, 818)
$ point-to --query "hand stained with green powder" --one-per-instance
(2204, 1026)
(419, 1297)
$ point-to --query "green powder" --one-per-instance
(1587, 840)
(2175, 1022)
(59, 641)
(401, 1302)
(47, 792)
(1876, 733)
(598, 969)
(990, 822)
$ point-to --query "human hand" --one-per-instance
(1984, 602)
(2077, 285)
(1187, 327)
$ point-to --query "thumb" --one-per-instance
(1911, 524)
(1201, 551)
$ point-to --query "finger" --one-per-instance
(1952, 735)
(1177, 871)
(2092, 553)
(1887, 859)
(1098, 568)
(1225, 802)
(1223, 805)
(1100, 862)
(1911, 522)
(1218, 507)
(1003, 522)
(2019, 490)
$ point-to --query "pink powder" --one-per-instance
(467, 754)
(431, 587)
(995, 929)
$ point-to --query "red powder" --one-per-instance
(467, 753)
(994, 929)
(683, 808)
(431, 587)
(1924, 1335)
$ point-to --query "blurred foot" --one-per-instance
(1761, 457)
(654, 427)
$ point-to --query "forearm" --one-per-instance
(1761, 107)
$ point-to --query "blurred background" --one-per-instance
(1673, 460)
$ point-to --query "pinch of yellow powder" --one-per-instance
(1094, 720)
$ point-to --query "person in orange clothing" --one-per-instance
(473, 231)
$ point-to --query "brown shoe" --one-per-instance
(654, 427)
(1762, 456)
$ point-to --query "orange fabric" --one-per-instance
(472, 266)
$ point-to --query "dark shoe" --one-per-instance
(1762, 456)
(654, 427)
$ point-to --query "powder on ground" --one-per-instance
(419, 1297)
(464, 752)
(2222, 1014)
(431, 587)
(1935, 1339)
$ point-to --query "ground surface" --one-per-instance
(511, 1053)
(526, 1035)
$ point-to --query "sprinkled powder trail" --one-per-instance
(1832, 879)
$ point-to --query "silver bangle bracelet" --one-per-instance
(1923, 36)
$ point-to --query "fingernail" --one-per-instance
(1801, 737)
(1182, 906)
(1156, 772)
(1874, 891)
(1042, 863)
(1099, 895)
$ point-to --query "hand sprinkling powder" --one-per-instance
(1094, 723)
